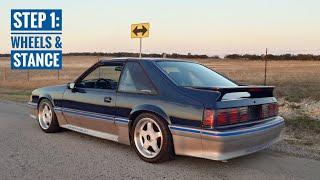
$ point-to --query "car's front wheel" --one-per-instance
(151, 138)
(47, 118)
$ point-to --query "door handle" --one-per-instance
(107, 99)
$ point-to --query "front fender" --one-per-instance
(150, 108)
(46, 96)
(52, 93)
(39, 94)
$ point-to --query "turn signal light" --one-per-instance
(208, 118)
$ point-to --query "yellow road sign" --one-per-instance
(140, 30)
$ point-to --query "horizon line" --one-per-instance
(184, 54)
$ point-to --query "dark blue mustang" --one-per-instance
(162, 107)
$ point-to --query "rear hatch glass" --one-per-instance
(189, 74)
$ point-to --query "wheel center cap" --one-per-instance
(148, 137)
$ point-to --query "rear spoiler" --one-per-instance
(254, 91)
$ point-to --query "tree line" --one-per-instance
(128, 54)
(197, 56)
(274, 57)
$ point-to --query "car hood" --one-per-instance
(51, 88)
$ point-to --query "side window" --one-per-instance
(135, 80)
(103, 77)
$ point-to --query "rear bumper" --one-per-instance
(223, 145)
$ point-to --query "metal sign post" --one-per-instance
(140, 31)
(140, 48)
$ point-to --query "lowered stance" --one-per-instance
(162, 107)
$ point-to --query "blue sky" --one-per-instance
(203, 27)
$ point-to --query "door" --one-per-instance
(91, 104)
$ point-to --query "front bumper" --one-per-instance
(33, 111)
(223, 145)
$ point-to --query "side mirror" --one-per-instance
(71, 85)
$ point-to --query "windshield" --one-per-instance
(190, 74)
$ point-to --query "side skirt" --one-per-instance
(90, 132)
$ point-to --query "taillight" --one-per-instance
(273, 109)
(208, 118)
(244, 116)
(264, 113)
(222, 117)
(234, 115)
(268, 110)
(231, 116)
(276, 110)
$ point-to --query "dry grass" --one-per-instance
(294, 80)
(306, 107)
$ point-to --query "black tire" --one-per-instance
(54, 125)
(167, 151)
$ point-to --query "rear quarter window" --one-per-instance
(135, 80)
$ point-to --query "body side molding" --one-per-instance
(99, 134)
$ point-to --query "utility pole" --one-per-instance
(5, 74)
(265, 67)
(28, 75)
(99, 69)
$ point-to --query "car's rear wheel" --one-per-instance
(151, 138)
(47, 118)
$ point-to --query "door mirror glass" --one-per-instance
(71, 85)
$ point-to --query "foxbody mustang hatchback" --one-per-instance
(162, 108)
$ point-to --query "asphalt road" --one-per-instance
(28, 153)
